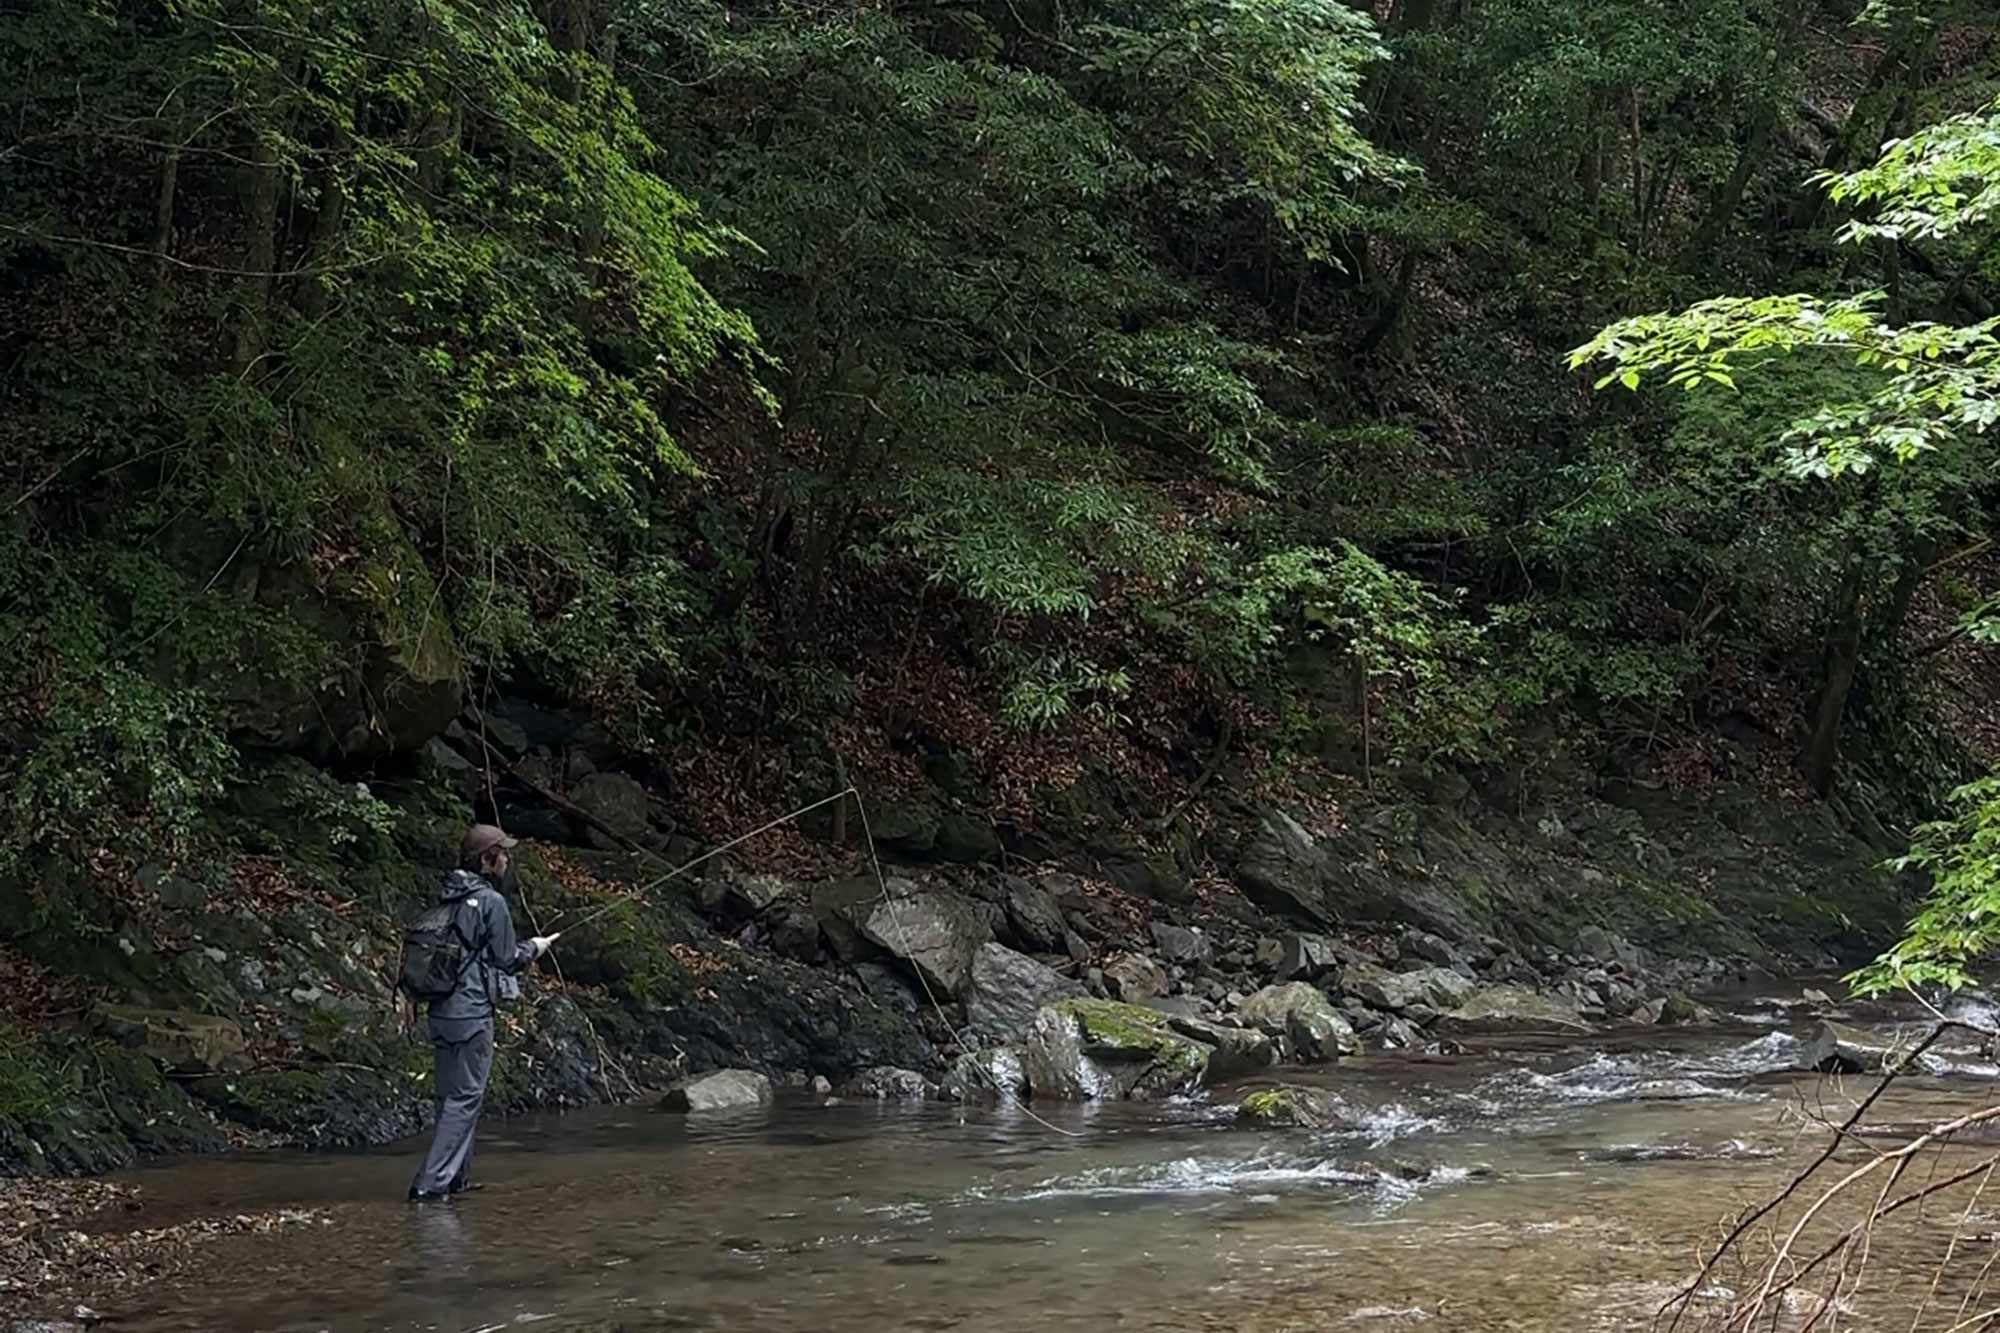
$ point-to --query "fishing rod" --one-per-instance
(677, 871)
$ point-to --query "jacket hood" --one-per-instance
(460, 884)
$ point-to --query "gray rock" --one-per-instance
(1432, 987)
(889, 987)
(1178, 944)
(1284, 869)
(1304, 1017)
(1134, 978)
(839, 906)
(909, 829)
(1834, 1049)
(728, 1090)
(985, 1075)
(934, 933)
(504, 736)
(1237, 1050)
(1306, 958)
(1604, 947)
(795, 935)
(1008, 989)
(1432, 949)
(737, 897)
(1399, 1034)
(886, 1083)
(1496, 1010)
(1085, 1050)
(1032, 913)
(617, 802)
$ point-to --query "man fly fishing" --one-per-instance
(460, 957)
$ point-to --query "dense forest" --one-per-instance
(1146, 383)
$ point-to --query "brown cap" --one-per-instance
(483, 838)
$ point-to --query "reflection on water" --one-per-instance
(1577, 1185)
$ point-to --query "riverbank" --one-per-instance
(1537, 1183)
(238, 997)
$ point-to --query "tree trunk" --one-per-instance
(1843, 656)
(1726, 203)
(260, 254)
(328, 219)
(163, 220)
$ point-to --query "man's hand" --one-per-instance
(539, 944)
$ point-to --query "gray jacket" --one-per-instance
(487, 924)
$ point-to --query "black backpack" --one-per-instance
(436, 953)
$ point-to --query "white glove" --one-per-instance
(539, 945)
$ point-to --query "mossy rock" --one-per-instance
(1288, 1106)
(1085, 1049)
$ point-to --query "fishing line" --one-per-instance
(1007, 1095)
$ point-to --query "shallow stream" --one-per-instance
(1579, 1181)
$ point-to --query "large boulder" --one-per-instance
(1008, 989)
(935, 934)
(1033, 915)
(1427, 987)
(1502, 1010)
(618, 804)
(839, 906)
(1304, 1017)
(729, 1090)
(1285, 869)
(182, 1043)
(1085, 1050)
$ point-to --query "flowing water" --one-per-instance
(1579, 1183)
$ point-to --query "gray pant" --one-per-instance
(462, 1056)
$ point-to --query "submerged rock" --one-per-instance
(1289, 1106)
(1085, 1050)
(1305, 1018)
(1834, 1049)
(1008, 989)
(1495, 1010)
(728, 1090)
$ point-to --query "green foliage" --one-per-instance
(405, 301)
(1961, 917)
(28, 1077)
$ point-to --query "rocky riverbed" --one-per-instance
(239, 998)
